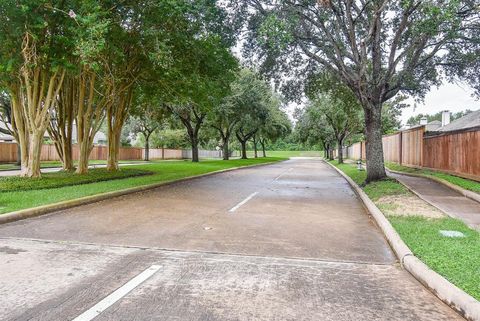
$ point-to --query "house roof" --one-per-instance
(468, 121)
(433, 125)
(6, 137)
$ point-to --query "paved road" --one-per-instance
(288, 241)
(444, 198)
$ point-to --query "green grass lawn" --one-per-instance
(459, 181)
(456, 259)
(163, 171)
(286, 153)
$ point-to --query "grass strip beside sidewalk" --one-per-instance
(164, 171)
(459, 181)
(456, 259)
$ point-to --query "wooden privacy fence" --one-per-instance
(356, 151)
(455, 152)
(8, 153)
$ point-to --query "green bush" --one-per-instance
(61, 179)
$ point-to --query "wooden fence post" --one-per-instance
(400, 152)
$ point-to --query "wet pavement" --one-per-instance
(288, 241)
(444, 198)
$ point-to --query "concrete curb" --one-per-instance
(464, 304)
(469, 194)
(49, 208)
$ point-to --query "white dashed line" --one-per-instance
(279, 176)
(108, 301)
(236, 207)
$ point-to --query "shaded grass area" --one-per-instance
(62, 179)
(53, 164)
(288, 153)
(162, 172)
(456, 259)
(459, 181)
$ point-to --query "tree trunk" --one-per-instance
(113, 149)
(226, 152)
(244, 149)
(340, 151)
(255, 149)
(84, 155)
(34, 151)
(263, 148)
(67, 156)
(330, 154)
(374, 146)
(19, 155)
(194, 142)
(147, 147)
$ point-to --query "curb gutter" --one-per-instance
(469, 194)
(49, 208)
(464, 304)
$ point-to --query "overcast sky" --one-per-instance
(450, 97)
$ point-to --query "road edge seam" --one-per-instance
(63, 205)
(457, 299)
(469, 194)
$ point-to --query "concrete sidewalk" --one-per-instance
(444, 198)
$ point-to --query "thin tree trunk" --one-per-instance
(374, 146)
(262, 142)
(244, 149)
(194, 142)
(147, 146)
(330, 154)
(67, 156)
(19, 155)
(340, 151)
(84, 155)
(226, 152)
(34, 152)
(255, 149)
(113, 149)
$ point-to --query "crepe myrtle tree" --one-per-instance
(377, 48)
(32, 69)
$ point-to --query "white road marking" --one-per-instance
(236, 207)
(108, 301)
(279, 176)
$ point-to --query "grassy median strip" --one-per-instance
(162, 171)
(459, 181)
(456, 259)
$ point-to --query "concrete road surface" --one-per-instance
(288, 241)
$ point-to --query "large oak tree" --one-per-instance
(378, 48)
